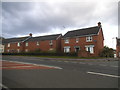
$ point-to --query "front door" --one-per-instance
(77, 48)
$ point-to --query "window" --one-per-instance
(50, 43)
(26, 50)
(90, 48)
(66, 40)
(37, 44)
(18, 50)
(89, 39)
(18, 44)
(26, 43)
(8, 50)
(67, 49)
(77, 40)
(119, 54)
(77, 48)
(8, 44)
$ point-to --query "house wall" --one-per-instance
(118, 51)
(43, 45)
(32, 46)
(97, 42)
(100, 42)
(1, 48)
(58, 44)
(118, 48)
(13, 47)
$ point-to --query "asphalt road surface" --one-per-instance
(35, 72)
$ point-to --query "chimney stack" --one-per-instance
(30, 34)
(99, 24)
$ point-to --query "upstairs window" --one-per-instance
(66, 40)
(89, 39)
(37, 44)
(77, 40)
(8, 44)
(18, 44)
(51, 42)
(26, 44)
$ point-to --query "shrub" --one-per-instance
(107, 52)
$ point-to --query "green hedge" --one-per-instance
(42, 54)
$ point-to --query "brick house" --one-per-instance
(29, 43)
(1, 46)
(15, 45)
(44, 43)
(118, 48)
(86, 42)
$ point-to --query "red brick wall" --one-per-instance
(117, 51)
(58, 44)
(43, 45)
(100, 42)
(13, 47)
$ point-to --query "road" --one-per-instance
(68, 74)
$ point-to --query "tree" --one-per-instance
(107, 52)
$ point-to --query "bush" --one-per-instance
(42, 54)
(107, 52)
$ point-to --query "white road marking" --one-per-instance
(59, 61)
(17, 67)
(41, 60)
(35, 64)
(102, 65)
(114, 66)
(3, 86)
(90, 64)
(81, 63)
(104, 74)
(66, 61)
(74, 62)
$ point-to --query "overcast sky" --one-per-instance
(44, 18)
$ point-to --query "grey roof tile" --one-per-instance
(9, 40)
(47, 37)
(82, 32)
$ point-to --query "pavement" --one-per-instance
(65, 73)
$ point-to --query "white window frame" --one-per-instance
(76, 47)
(66, 40)
(91, 48)
(26, 44)
(18, 50)
(89, 38)
(8, 45)
(77, 40)
(8, 50)
(66, 49)
(51, 42)
(18, 44)
(26, 50)
(37, 43)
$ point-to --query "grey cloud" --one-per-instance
(23, 18)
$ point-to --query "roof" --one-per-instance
(47, 37)
(82, 32)
(9, 40)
